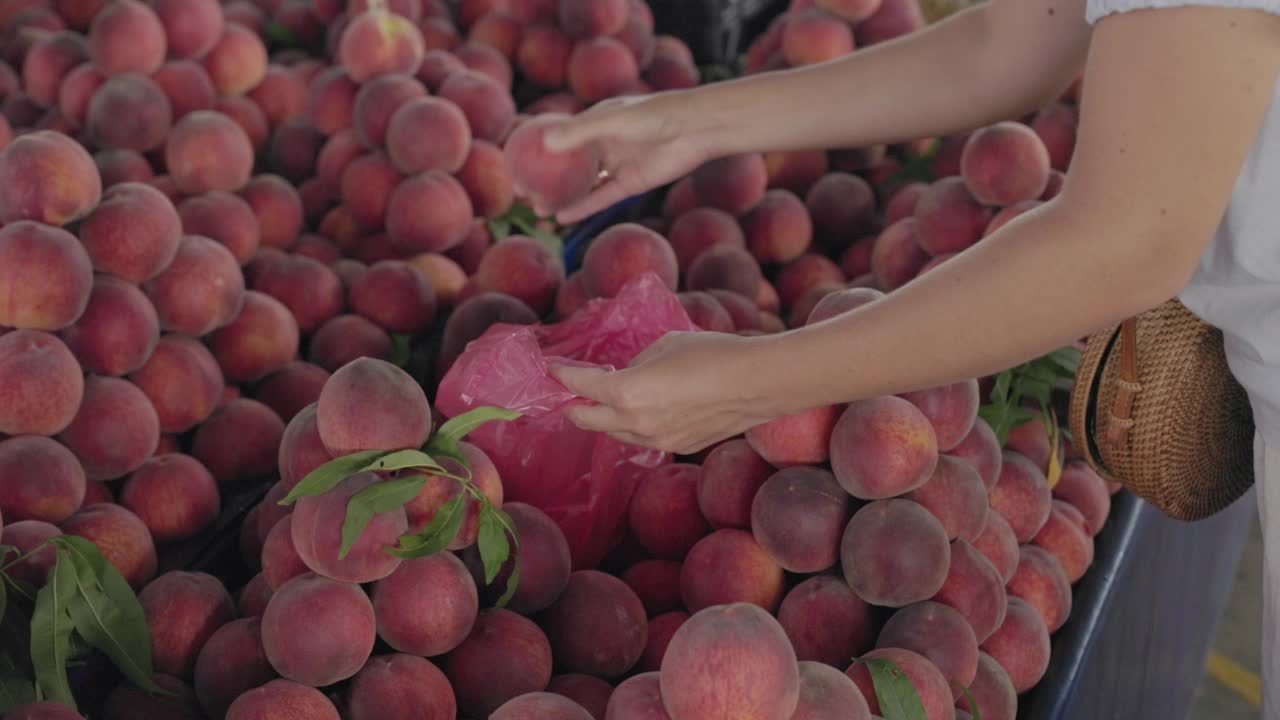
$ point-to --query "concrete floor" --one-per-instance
(1230, 686)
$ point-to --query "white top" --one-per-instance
(1237, 284)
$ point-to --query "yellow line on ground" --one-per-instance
(1235, 677)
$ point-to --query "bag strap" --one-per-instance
(1127, 388)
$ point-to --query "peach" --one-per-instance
(798, 517)
(991, 691)
(400, 687)
(245, 113)
(372, 405)
(543, 55)
(840, 302)
(439, 490)
(1031, 439)
(828, 694)
(49, 179)
(1022, 496)
(39, 480)
(894, 18)
(282, 96)
(445, 276)
(301, 450)
(486, 61)
(182, 380)
(115, 429)
(225, 218)
(427, 606)
(1064, 537)
(1005, 164)
(330, 101)
(778, 229)
(202, 135)
(192, 28)
(78, 88)
(930, 685)
(661, 629)
(129, 701)
(725, 267)
(237, 62)
(1005, 215)
(999, 545)
(625, 252)
(293, 148)
(729, 662)
(733, 184)
(497, 30)
(551, 180)
(183, 610)
(883, 447)
(664, 515)
(261, 339)
(975, 589)
(200, 291)
(597, 626)
(1057, 179)
(896, 256)
(121, 166)
(902, 203)
(117, 331)
(825, 621)
(312, 292)
(346, 338)
(40, 383)
(842, 207)
(572, 296)
(245, 13)
(231, 663)
(25, 536)
(437, 63)
(366, 187)
(252, 601)
(174, 496)
(266, 701)
(583, 19)
(952, 409)
(50, 57)
(522, 268)
(187, 85)
(474, 316)
(505, 656)
(855, 261)
(601, 68)
(485, 178)
(732, 474)
(804, 272)
(815, 36)
(591, 693)
(277, 207)
(656, 583)
(127, 36)
(1021, 645)
(981, 449)
(378, 42)
(240, 441)
(938, 633)
(705, 311)
(488, 106)
(700, 229)
(1041, 581)
(421, 117)
(121, 537)
(317, 535)
(292, 388)
(543, 560)
(956, 496)
(280, 560)
(949, 218)
(1086, 491)
(531, 706)
(412, 231)
(133, 234)
(895, 553)
(670, 73)
(729, 566)
(852, 10)
(313, 658)
(377, 102)
(96, 492)
(800, 439)
(796, 170)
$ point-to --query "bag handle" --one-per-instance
(1127, 388)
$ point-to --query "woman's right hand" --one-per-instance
(644, 141)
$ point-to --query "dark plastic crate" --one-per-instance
(717, 31)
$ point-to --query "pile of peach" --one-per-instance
(210, 251)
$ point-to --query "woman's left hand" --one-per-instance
(684, 393)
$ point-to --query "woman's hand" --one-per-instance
(685, 392)
(645, 142)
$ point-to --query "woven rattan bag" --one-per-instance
(1155, 408)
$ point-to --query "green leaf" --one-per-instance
(459, 427)
(441, 446)
(513, 581)
(401, 350)
(51, 628)
(107, 613)
(14, 690)
(380, 497)
(1000, 390)
(499, 229)
(898, 698)
(4, 597)
(438, 533)
(494, 546)
(331, 474)
(973, 705)
(280, 35)
(403, 460)
(1067, 360)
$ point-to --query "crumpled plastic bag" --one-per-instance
(582, 480)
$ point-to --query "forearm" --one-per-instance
(977, 67)
(1040, 283)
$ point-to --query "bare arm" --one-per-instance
(988, 63)
(1174, 100)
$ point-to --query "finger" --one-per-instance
(603, 197)
(582, 129)
(590, 383)
(654, 350)
(597, 418)
(630, 439)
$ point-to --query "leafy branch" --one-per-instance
(412, 469)
(898, 698)
(522, 218)
(1032, 381)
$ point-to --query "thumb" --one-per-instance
(589, 383)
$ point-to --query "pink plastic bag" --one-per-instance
(583, 480)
